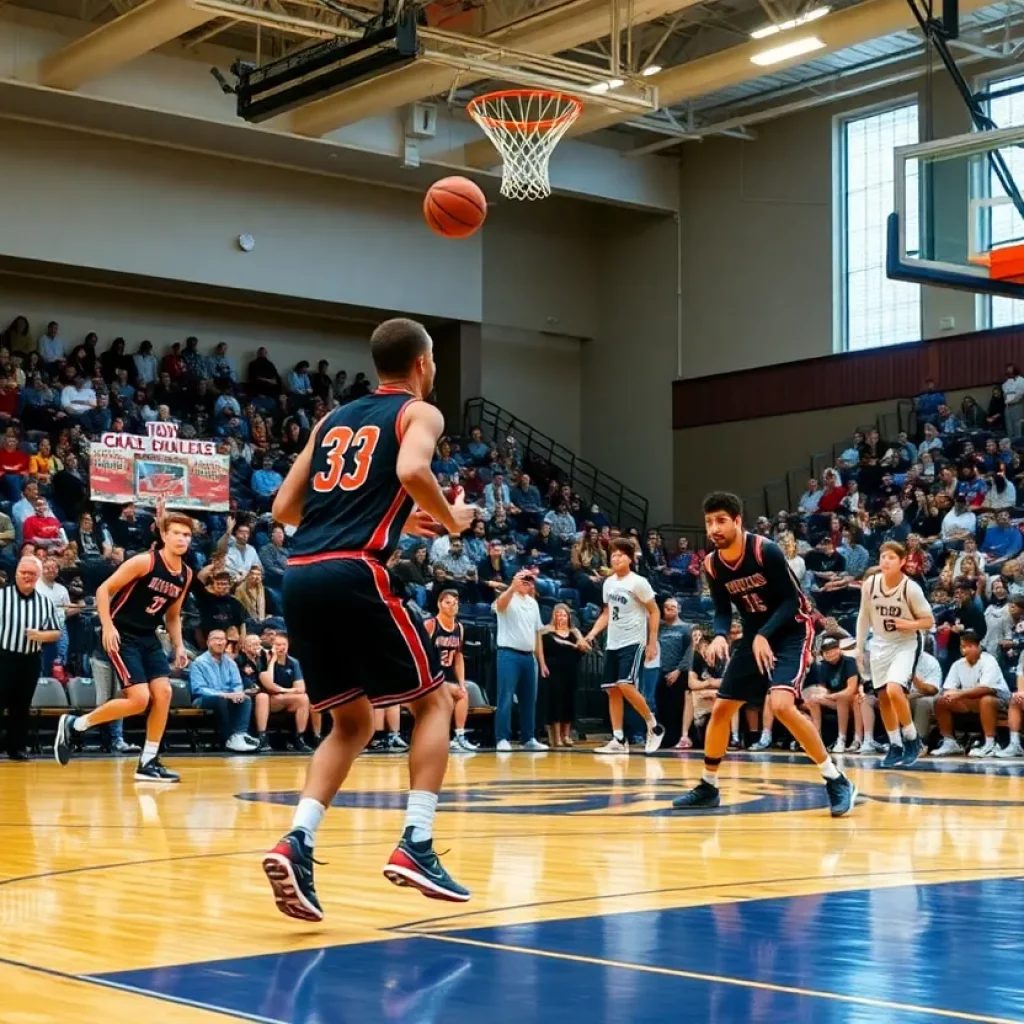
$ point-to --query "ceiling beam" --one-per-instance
(848, 27)
(550, 31)
(119, 41)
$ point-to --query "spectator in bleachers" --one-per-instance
(477, 449)
(264, 380)
(253, 661)
(217, 686)
(218, 609)
(173, 365)
(130, 532)
(499, 527)
(949, 423)
(283, 676)
(563, 526)
(926, 404)
(958, 524)
(589, 567)
(55, 654)
(444, 464)
(17, 336)
(43, 528)
(14, 467)
(239, 555)
(995, 414)
(1013, 396)
(974, 685)
(221, 367)
(496, 495)
(459, 569)
(146, 367)
(8, 538)
(1003, 542)
(966, 616)
(703, 678)
(51, 347)
(299, 385)
(274, 556)
(475, 542)
(525, 497)
(493, 573)
(114, 359)
(78, 398)
(252, 596)
(833, 683)
(265, 482)
(43, 464)
(809, 500)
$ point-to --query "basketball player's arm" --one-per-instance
(423, 425)
(136, 567)
(863, 627)
(287, 507)
(172, 620)
(597, 628)
(718, 648)
(919, 606)
(780, 579)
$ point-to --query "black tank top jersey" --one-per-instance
(140, 607)
(757, 586)
(354, 501)
(447, 643)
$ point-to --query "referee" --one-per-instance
(27, 621)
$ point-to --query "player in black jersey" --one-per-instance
(363, 476)
(146, 591)
(448, 638)
(751, 574)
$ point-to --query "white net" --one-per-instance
(525, 126)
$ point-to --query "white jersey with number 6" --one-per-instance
(906, 601)
(627, 615)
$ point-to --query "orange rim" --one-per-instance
(473, 106)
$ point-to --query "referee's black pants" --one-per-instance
(19, 674)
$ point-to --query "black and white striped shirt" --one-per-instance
(18, 613)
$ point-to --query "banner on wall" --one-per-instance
(186, 474)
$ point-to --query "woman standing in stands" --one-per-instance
(995, 418)
(251, 595)
(588, 561)
(564, 646)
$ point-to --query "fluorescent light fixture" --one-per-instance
(651, 69)
(785, 26)
(603, 87)
(794, 49)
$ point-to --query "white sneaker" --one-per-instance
(947, 748)
(123, 747)
(986, 749)
(871, 747)
(237, 744)
(854, 747)
(534, 745)
(839, 747)
(1012, 749)
(613, 746)
(654, 737)
(461, 745)
(762, 744)
(503, 746)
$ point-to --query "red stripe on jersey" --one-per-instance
(326, 556)
(402, 619)
(380, 535)
(709, 565)
(758, 554)
(399, 431)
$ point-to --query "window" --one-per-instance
(875, 310)
(1005, 225)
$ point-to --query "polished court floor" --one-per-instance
(592, 901)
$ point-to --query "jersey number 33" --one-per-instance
(340, 441)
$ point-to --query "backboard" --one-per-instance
(959, 218)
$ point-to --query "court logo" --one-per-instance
(592, 797)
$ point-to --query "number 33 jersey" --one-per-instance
(140, 608)
(907, 601)
(354, 501)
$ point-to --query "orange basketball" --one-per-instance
(454, 207)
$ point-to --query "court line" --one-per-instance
(86, 979)
(973, 873)
(719, 979)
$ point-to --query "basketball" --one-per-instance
(454, 207)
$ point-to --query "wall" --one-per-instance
(80, 200)
(137, 316)
(537, 378)
(757, 223)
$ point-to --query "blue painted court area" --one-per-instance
(903, 955)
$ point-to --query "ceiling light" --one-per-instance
(612, 83)
(651, 69)
(785, 26)
(794, 49)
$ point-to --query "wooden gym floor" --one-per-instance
(120, 902)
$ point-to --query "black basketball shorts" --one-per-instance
(352, 635)
(623, 665)
(744, 681)
(141, 659)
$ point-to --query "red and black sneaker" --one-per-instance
(289, 869)
(417, 865)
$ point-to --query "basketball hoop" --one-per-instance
(525, 125)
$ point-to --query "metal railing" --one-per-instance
(624, 507)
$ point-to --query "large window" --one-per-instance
(875, 310)
(1006, 221)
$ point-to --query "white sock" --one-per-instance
(308, 816)
(81, 723)
(149, 751)
(651, 722)
(460, 732)
(895, 738)
(910, 732)
(619, 735)
(828, 769)
(766, 735)
(419, 814)
(396, 735)
(711, 778)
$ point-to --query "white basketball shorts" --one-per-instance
(894, 665)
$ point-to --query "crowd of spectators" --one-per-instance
(947, 490)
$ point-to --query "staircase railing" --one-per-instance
(624, 507)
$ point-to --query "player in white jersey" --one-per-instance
(631, 616)
(894, 610)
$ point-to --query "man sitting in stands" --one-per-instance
(217, 686)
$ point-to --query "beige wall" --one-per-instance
(138, 315)
(757, 223)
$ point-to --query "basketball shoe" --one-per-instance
(289, 869)
(417, 865)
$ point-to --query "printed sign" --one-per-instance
(187, 474)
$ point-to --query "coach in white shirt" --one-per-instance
(520, 654)
(975, 684)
